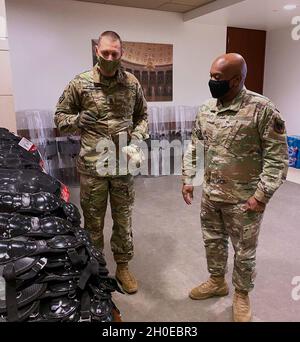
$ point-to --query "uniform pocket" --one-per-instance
(251, 227)
(123, 104)
(94, 100)
(209, 128)
(85, 187)
(235, 127)
(243, 139)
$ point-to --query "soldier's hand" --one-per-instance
(188, 193)
(134, 154)
(254, 205)
(86, 119)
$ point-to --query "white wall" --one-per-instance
(282, 76)
(51, 42)
(7, 112)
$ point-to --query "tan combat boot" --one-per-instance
(241, 307)
(126, 278)
(213, 287)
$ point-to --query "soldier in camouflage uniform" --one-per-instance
(101, 105)
(245, 162)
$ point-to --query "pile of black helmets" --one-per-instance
(51, 272)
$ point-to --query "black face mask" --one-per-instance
(219, 89)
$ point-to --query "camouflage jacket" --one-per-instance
(118, 104)
(245, 149)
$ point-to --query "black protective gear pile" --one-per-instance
(52, 271)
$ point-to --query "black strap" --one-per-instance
(85, 305)
(35, 269)
(11, 293)
(77, 258)
(90, 269)
(84, 256)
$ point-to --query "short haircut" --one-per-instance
(112, 35)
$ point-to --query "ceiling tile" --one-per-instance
(153, 4)
(97, 1)
(180, 6)
(195, 3)
(172, 7)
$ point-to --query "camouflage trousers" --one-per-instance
(220, 221)
(94, 193)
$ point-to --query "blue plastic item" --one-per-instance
(294, 151)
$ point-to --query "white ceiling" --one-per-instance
(180, 6)
(253, 14)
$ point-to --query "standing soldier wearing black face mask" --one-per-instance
(102, 104)
(246, 160)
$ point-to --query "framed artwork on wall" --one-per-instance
(152, 64)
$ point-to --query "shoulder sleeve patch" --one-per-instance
(279, 125)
